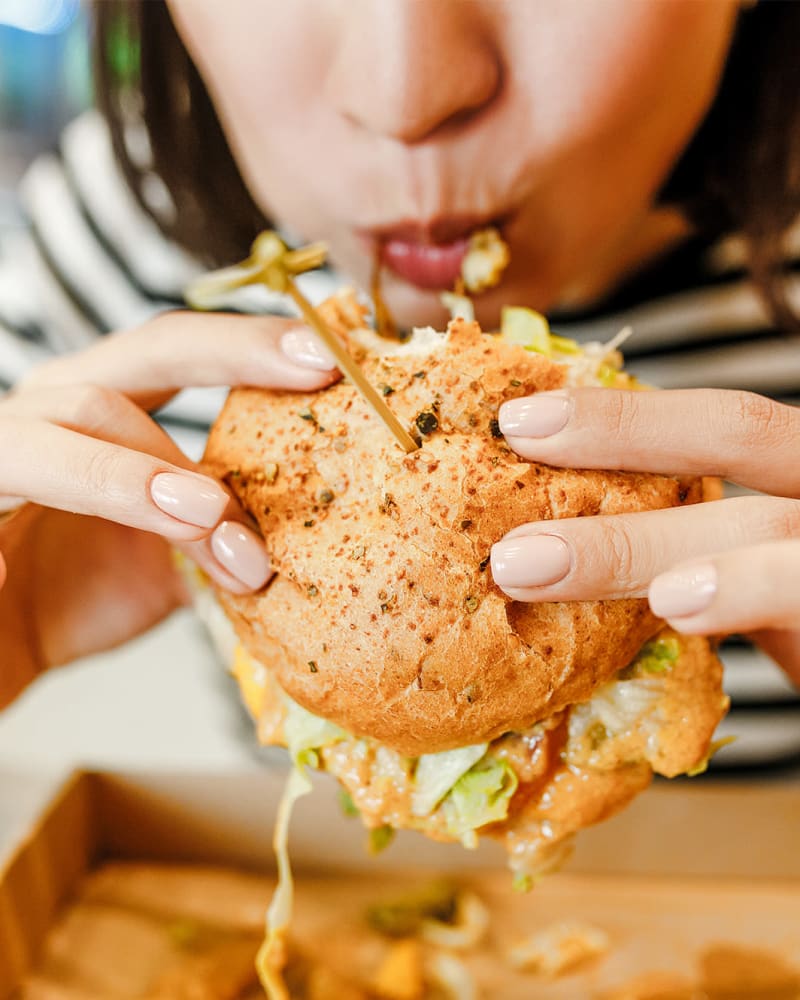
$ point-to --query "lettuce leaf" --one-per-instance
(527, 328)
(272, 953)
(305, 733)
(379, 838)
(480, 796)
(531, 330)
(656, 656)
(702, 765)
(436, 773)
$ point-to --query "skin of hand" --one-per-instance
(730, 565)
(561, 121)
(85, 564)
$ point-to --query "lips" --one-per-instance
(430, 266)
(427, 256)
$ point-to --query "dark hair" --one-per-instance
(740, 173)
(145, 77)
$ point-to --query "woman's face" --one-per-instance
(399, 126)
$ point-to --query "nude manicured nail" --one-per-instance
(530, 561)
(534, 416)
(242, 553)
(189, 498)
(685, 591)
(304, 348)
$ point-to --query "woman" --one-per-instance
(612, 144)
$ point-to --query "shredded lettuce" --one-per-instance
(346, 803)
(564, 345)
(589, 363)
(306, 733)
(527, 328)
(272, 956)
(619, 706)
(702, 765)
(656, 656)
(480, 796)
(531, 330)
(379, 838)
(437, 773)
(459, 306)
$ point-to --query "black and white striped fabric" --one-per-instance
(90, 261)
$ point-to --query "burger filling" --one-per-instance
(527, 789)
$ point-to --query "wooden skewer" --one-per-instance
(271, 263)
(351, 369)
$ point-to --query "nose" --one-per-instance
(407, 69)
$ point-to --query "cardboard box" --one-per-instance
(738, 833)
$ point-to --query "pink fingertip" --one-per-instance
(304, 348)
(241, 552)
(684, 591)
(530, 561)
(191, 499)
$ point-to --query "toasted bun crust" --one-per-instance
(383, 615)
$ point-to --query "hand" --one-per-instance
(726, 566)
(87, 564)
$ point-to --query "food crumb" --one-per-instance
(559, 948)
(427, 422)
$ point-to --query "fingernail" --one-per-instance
(536, 416)
(530, 561)
(242, 553)
(304, 348)
(189, 498)
(684, 591)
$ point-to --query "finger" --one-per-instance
(594, 558)
(73, 472)
(235, 556)
(739, 436)
(176, 350)
(743, 590)
(97, 412)
(108, 416)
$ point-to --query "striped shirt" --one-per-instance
(89, 261)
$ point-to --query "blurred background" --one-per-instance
(45, 80)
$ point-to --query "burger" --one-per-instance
(383, 653)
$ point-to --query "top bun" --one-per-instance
(383, 616)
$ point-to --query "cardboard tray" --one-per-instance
(727, 838)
